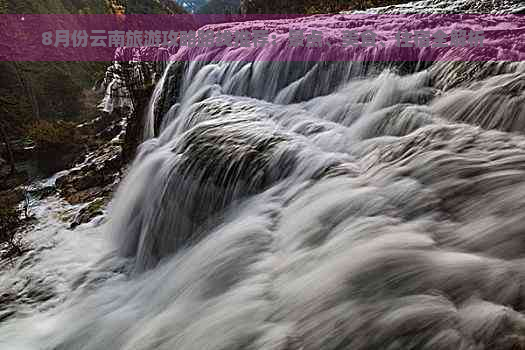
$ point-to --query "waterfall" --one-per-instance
(307, 205)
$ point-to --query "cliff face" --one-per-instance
(35, 93)
(59, 90)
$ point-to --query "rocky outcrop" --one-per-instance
(10, 222)
(104, 128)
(12, 181)
(95, 178)
(90, 211)
(42, 192)
(452, 7)
(106, 144)
(309, 6)
(12, 197)
(382, 6)
(128, 88)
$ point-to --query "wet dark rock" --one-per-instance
(103, 128)
(79, 180)
(22, 151)
(82, 196)
(93, 179)
(51, 158)
(110, 133)
(43, 192)
(171, 93)
(89, 212)
(135, 124)
(14, 180)
(6, 314)
(12, 197)
(10, 223)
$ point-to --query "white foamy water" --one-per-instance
(275, 210)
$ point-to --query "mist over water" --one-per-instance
(291, 205)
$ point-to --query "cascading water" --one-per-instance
(289, 205)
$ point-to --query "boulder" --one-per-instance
(8, 182)
(89, 212)
(43, 192)
(12, 197)
(94, 179)
(77, 197)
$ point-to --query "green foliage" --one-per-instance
(58, 90)
(55, 6)
(3, 7)
(53, 135)
(58, 144)
(90, 6)
(47, 90)
(220, 7)
(152, 7)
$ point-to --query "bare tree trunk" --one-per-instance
(9, 150)
(29, 91)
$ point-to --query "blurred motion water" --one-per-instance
(290, 205)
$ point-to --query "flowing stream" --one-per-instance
(302, 206)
